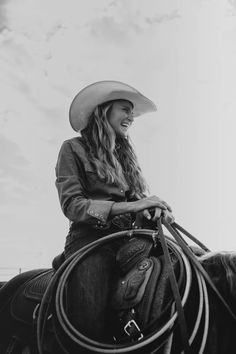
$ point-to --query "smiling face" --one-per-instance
(121, 117)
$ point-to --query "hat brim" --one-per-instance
(100, 92)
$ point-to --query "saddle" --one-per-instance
(19, 300)
(23, 293)
(138, 296)
(26, 300)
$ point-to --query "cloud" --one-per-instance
(158, 19)
(3, 16)
(232, 3)
(11, 159)
(107, 28)
(121, 22)
(14, 172)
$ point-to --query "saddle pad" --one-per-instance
(28, 296)
(9, 289)
(130, 288)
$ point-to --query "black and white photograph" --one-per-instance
(117, 176)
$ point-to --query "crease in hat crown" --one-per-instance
(100, 92)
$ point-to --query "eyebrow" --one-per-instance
(126, 105)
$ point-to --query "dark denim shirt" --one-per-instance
(84, 197)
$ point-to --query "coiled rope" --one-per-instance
(71, 340)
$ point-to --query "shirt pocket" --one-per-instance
(98, 188)
(95, 184)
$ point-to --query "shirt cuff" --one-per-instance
(100, 209)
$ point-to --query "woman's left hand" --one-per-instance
(167, 215)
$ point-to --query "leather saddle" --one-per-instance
(19, 300)
(139, 296)
(22, 294)
(28, 297)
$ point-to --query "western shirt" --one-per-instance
(84, 197)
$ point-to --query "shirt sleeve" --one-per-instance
(70, 183)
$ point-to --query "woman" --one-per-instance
(101, 189)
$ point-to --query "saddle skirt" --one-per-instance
(28, 296)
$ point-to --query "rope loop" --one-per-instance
(69, 337)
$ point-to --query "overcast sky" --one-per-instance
(179, 53)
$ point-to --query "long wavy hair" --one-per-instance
(113, 157)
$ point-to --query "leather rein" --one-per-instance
(68, 336)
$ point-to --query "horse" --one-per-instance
(166, 297)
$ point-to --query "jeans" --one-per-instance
(89, 289)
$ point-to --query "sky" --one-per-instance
(181, 54)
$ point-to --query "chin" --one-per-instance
(122, 134)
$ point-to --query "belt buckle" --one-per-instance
(132, 324)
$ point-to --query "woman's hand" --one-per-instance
(152, 202)
(167, 215)
(159, 207)
(150, 207)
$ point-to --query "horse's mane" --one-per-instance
(222, 266)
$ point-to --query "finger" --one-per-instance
(161, 205)
(167, 206)
(157, 214)
(138, 221)
(146, 214)
(156, 202)
(168, 217)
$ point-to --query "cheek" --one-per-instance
(115, 120)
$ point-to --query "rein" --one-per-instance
(68, 336)
(173, 229)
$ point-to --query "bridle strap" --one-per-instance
(192, 258)
(175, 290)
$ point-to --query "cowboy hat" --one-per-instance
(100, 92)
